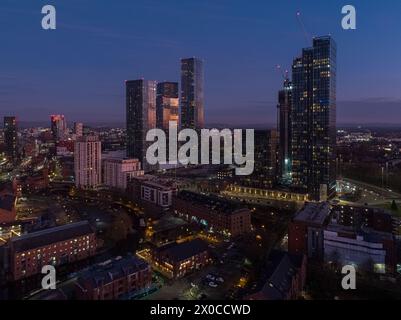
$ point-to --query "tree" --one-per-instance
(394, 206)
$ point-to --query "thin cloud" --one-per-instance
(108, 34)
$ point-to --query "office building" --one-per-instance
(140, 118)
(11, 137)
(192, 96)
(152, 193)
(343, 235)
(361, 236)
(87, 162)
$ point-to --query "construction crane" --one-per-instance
(307, 36)
(284, 73)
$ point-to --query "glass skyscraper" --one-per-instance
(11, 137)
(192, 101)
(167, 104)
(140, 117)
(284, 129)
(58, 127)
(313, 125)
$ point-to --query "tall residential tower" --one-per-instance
(87, 162)
(58, 127)
(167, 104)
(313, 124)
(192, 100)
(140, 117)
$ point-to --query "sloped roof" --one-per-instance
(51, 235)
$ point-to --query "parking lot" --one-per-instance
(216, 281)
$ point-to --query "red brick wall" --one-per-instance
(32, 260)
(7, 216)
(114, 289)
(230, 222)
(297, 241)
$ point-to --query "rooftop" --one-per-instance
(185, 250)
(108, 271)
(121, 160)
(51, 235)
(154, 181)
(313, 213)
(277, 276)
(368, 234)
(167, 222)
(211, 202)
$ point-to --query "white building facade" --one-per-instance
(358, 251)
(117, 172)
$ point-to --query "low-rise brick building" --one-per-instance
(214, 213)
(282, 278)
(53, 246)
(114, 279)
(176, 260)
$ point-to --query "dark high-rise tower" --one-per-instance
(58, 125)
(192, 104)
(313, 115)
(11, 137)
(166, 104)
(264, 175)
(140, 117)
(284, 129)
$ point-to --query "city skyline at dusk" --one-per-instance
(79, 69)
(200, 157)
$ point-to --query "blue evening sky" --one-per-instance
(79, 69)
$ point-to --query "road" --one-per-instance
(382, 191)
(371, 195)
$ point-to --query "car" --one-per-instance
(220, 279)
(213, 285)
